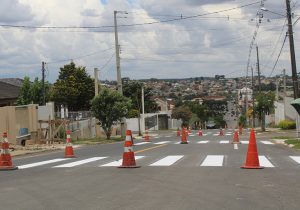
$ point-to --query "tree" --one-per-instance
(182, 112)
(24, 96)
(73, 88)
(133, 90)
(265, 104)
(109, 107)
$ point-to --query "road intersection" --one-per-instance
(204, 174)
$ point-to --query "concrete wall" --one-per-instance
(279, 112)
(284, 110)
(8, 122)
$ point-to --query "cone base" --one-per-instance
(183, 142)
(8, 168)
(70, 156)
(129, 166)
(252, 167)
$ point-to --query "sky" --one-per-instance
(158, 39)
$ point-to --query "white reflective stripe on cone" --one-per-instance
(128, 149)
(68, 136)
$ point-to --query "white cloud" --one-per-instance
(184, 48)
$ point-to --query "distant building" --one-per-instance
(8, 94)
(219, 77)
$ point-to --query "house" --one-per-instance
(8, 94)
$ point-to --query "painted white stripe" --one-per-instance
(202, 142)
(141, 143)
(224, 142)
(80, 162)
(263, 161)
(192, 135)
(168, 136)
(162, 142)
(236, 146)
(205, 134)
(156, 137)
(41, 163)
(216, 134)
(167, 161)
(213, 160)
(245, 142)
(119, 162)
(228, 134)
(296, 158)
(266, 142)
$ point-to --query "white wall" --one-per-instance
(279, 112)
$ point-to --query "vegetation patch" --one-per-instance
(294, 142)
(101, 140)
(287, 124)
(283, 137)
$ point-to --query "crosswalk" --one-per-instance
(164, 161)
(201, 142)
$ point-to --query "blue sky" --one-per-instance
(215, 43)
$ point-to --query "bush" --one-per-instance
(287, 124)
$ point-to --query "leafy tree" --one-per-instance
(182, 112)
(74, 88)
(109, 107)
(133, 90)
(265, 104)
(25, 96)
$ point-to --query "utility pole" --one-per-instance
(143, 110)
(284, 83)
(258, 69)
(253, 113)
(96, 81)
(292, 50)
(117, 46)
(43, 83)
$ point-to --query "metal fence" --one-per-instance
(74, 115)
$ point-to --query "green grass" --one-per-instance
(294, 142)
(100, 140)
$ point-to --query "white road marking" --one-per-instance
(245, 142)
(296, 158)
(213, 160)
(202, 142)
(41, 163)
(205, 134)
(80, 162)
(216, 134)
(236, 146)
(263, 161)
(228, 134)
(168, 136)
(162, 142)
(141, 143)
(266, 142)
(167, 161)
(224, 142)
(156, 137)
(119, 162)
(192, 135)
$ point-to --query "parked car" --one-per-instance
(210, 125)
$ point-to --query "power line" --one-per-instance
(128, 25)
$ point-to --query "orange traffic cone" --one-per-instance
(69, 153)
(178, 132)
(252, 161)
(146, 137)
(5, 158)
(128, 155)
(183, 137)
(200, 133)
(235, 138)
(221, 132)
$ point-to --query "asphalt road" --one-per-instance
(203, 175)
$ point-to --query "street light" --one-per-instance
(267, 10)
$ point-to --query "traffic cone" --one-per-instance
(178, 132)
(131, 137)
(200, 133)
(146, 137)
(183, 137)
(128, 155)
(5, 158)
(69, 153)
(252, 160)
(221, 132)
(235, 138)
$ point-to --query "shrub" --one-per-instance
(287, 124)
